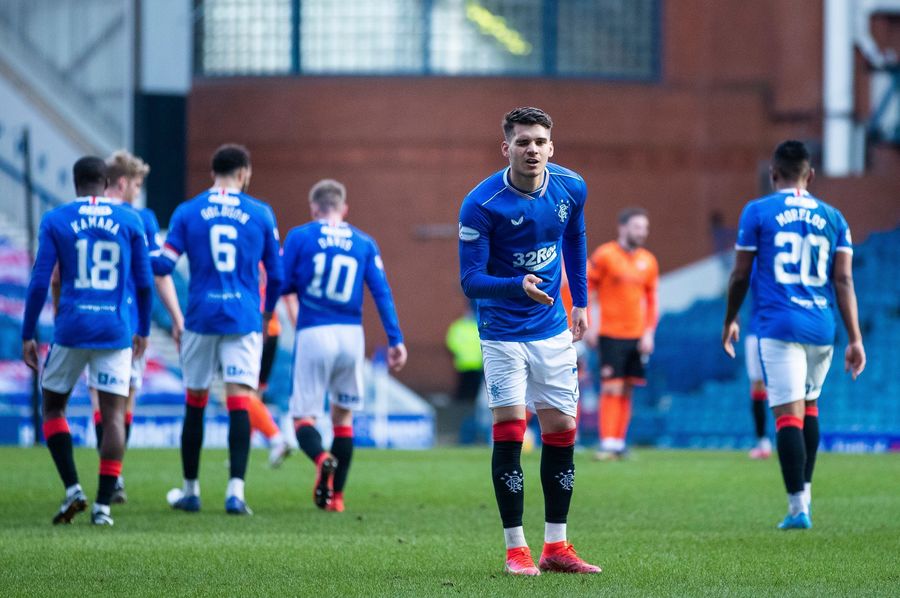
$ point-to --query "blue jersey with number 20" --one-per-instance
(795, 237)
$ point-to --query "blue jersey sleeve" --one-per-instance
(40, 279)
(289, 264)
(474, 252)
(151, 231)
(377, 282)
(748, 229)
(142, 273)
(165, 261)
(574, 246)
(272, 262)
(844, 241)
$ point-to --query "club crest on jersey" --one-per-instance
(562, 211)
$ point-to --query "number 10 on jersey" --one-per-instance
(342, 271)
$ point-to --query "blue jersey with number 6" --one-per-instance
(225, 234)
(795, 237)
(326, 264)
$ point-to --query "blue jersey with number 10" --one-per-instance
(326, 264)
(225, 234)
(795, 237)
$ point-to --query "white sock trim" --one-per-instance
(191, 488)
(514, 536)
(235, 488)
(796, 503)
(554, 532)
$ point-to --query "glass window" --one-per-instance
(245, 37)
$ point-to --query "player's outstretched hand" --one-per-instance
(138, 346)
(177, 330)
(730, 333)
(30, 354)
(529, 283)
(396, 357)
(855, 359)
(579, 323)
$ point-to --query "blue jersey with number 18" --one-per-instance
(795, 237)
(326, 264)
(225, 234)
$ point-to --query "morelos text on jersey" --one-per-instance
(326, 264)
(505, 234)
(225, 234)
(795, 237)
(100, 246)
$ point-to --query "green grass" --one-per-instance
(425, 523)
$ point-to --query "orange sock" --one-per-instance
(261, 419)
(609, 415)
(624, 417)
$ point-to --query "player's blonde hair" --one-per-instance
(123, 163)
(327, 195)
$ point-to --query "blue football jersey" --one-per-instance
(151, 232)
(795, 237)
(505, 234)
(101, 248)
(225, 234)
(326, 265)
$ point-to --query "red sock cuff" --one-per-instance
(98, 417)
(238, 403)
(320, 457)
(57, 425)
(509, 431)
(785, 421)
(758, 395)
(197, 399)
(562, 439)
(812, 411)
(110, 467)
(303, 421)
(129, 419)
(343, 431)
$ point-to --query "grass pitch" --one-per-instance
(425, 523)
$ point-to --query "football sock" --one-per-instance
(796, 503)
(791, 451)
(557, 474)
(59, 441)
(309, 439)
(342, 449)
(609, 419)
(192, 434)
(758, 404)
(100, 508)
(98, 428)
(129, 418)
(261, 419)
(554, 532)
(624, 420)
(807, 493)
(811, 439)
(514, 536)
(110, 470)
(238, 434)
(235, 488)
(506, 471)
(191, 487)
(74, 488)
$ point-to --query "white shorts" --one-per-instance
(538, 374)
(327, 359)
(793, 371)
(138, 367)
(238, 355)
(109, 370)
(751, 358)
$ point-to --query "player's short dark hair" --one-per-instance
(89, 171)
(790, 160)
(631, 212)
(230, 157)
(525, 115)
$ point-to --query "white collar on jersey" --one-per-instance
(799, 198)
(95, 199)
(225, 196)
(521, 193)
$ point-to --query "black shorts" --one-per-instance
(621, 360)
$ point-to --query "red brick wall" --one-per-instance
(737, 78)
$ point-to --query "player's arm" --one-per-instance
(165, 289)
(474, 251)
(151, 230)
(738, 283)
(163, 263)
(574, 248)
(274, 269)
(55, 288)
(141, 270)
(647, 342)
(377, 282)
(36, 295)
(842, 278)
